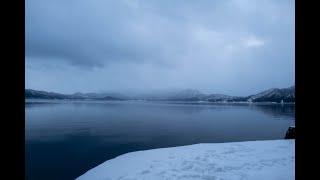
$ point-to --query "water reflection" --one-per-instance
(66, 138)
(277, 110)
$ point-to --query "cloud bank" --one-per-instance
(226, 46)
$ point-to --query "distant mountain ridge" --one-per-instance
(271, 95)
(34, 94)
(275, 95)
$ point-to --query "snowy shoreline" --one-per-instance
(250, 160)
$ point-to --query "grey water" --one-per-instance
(64, 139)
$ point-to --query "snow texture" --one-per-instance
(251, 160)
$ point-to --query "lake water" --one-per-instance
(64, 139)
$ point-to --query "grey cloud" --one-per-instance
(207, 44)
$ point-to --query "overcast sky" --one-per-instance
(235, 47)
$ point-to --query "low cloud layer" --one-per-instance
(236, 47)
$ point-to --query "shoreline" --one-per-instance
(160, 101)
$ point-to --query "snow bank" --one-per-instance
(263, 160)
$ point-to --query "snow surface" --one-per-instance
(251, 160)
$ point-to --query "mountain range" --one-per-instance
(271, 95)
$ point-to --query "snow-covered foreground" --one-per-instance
(263, 160)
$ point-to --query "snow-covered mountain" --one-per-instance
(34, 94)
(100, 95)
(30, 93)
(274, 95)
(224, 98)
(271, 95)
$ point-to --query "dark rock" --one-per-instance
(290, 134)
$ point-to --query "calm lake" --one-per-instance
(64, 139)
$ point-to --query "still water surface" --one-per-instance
(64, 139)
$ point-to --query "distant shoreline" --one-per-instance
(271, 96)
(35, 100)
